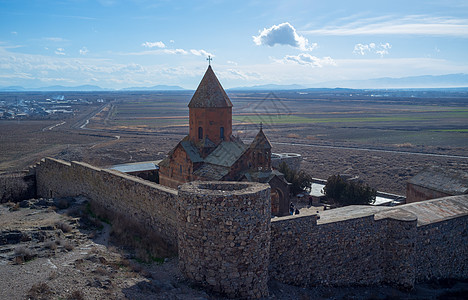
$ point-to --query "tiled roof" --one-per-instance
(226, 153)
(210, 93)
(211, 172)
(449, 181)
(191, 151)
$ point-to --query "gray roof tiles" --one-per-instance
(226, 153)
(449, 181)
(191, 151)
(210, 93)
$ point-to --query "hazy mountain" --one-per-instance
(425, 81)
(155, 88)
(269, 87)
(12, 89)
(56, 88)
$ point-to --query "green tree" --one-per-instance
(300, 180)
(345, 192)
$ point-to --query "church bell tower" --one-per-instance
(210, 112)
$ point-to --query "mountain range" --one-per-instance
(424, 81)
(88, 88)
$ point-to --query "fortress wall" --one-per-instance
(339, 253)
(149, 204)
(442, 250)
(399, 246)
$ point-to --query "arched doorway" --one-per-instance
(276, 196)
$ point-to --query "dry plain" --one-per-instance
(385, 139)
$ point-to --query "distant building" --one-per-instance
(436, 182)
(211, 152)
(147, 170)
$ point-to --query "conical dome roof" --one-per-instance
(209, 93)
(260, 141)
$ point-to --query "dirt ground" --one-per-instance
(60, 253)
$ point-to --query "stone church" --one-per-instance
(211, 152)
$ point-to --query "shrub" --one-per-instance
(345, 192)
(76, 295)
(300, 180)
(64, 226)
(23, 254)
(39, 291)
(50, 245)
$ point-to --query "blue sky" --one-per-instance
(118, 44)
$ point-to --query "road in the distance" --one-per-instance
(373, 150)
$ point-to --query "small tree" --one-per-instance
(348, 192)
(300, 180)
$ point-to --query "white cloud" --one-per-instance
(232, 62)
(14, 33)
(175, 51)
(60, 51)
(84, 51)
(408, 25)
(283, 34)
(307, 59)
(364, 49)
(154, 44)
(201, 53)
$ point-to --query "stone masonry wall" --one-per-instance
(416, 193)
(442, 250)
(224, 236)
(339, 253)
(389, 246)
(227, 242)
(149, 204)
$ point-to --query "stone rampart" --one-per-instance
(337, 253)
(441, 246)
(224, 236)
(227, 242)
(351, 246)
(149, 204)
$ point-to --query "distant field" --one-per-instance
(141, 126)
(386, 122)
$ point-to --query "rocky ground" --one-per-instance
(57, 249)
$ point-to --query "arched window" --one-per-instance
(200, 133)
(221, 133)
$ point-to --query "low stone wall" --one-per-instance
(292, 160)
(149, 204)
(224, 236)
